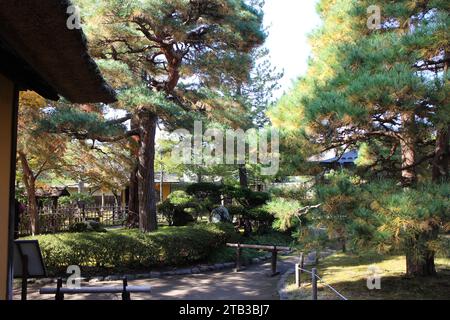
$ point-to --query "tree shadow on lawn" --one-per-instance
(348, 274)
(350, 260)
(394, 288)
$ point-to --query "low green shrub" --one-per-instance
(245, 197)
(132, 249)
(178, 209)
(86, 226)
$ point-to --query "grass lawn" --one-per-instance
(348, 274)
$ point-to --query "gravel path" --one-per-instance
(250, 284)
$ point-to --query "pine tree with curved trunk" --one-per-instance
(150, 51)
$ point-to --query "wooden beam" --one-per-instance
(258, 247)
(8, 135)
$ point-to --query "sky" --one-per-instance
(289, 23)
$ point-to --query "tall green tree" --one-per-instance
(159, 54)
(384, 88)
(383, 85)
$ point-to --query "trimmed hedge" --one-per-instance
(132, 249)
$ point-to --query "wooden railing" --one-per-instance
(299, 269)
(273, 249)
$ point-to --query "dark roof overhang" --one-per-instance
(39, 52)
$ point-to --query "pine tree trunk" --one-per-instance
(146, 171)
(442, 153)
(243, 177)
(408, 149)
(133, 200)
(420, 268)
(30, 185)
(133, 191)
(442, 156)
(419, 258)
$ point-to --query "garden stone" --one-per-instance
(220, 214)
(219, 266)
(230, 264)
(181, 272)
(154, 274)
(195, 270)
(112, 278)
(96, 279)
(204, 268)
(255, 261)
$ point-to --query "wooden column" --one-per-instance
(8, 133)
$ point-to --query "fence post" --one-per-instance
(59, 295)
(274, 261)
(126, 296)
(298, 271)
(314, 283)
(238, 257)
(298, 275)
(24, 292)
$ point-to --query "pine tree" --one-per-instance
(158, 55)
(384, 86)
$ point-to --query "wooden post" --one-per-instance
(24, 277)
(125, 294)
(274, 261)
(298, 281)
(59, 295)
(238, 257)
(314, 283)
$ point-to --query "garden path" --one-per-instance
(250, 284)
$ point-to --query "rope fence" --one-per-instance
(299, 268)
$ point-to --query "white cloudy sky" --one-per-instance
(289, 23)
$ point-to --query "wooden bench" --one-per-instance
(125, 290)
(273, 249)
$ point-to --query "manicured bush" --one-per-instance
(206, 191)
(208, 196)
(132, 249)
(245, 197)
(236, 211)
(87, 226)
(178, 208)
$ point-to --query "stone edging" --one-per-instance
(200, 269)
